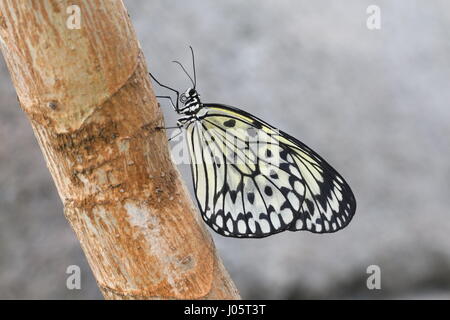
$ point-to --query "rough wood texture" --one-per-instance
(91, 105)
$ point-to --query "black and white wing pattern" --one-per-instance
(251, 180)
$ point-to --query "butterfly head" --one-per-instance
(190, 99)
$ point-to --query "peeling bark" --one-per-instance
(91, 105)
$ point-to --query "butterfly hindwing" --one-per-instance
(329, 202)
(252, 180)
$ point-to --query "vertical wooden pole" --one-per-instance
(84, 86)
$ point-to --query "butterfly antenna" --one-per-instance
(193, 66)
(179, 63)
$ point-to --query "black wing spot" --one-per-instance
(251, 197)
(233, 195)
(257, 124)
(285, 191)
(230, 123)
(268, 153)
(285, 167)
(268, 191)
(284, 155)
(310, 206)
(273, 174)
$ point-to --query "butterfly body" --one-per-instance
(252, 180)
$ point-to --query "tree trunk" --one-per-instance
(88, 96)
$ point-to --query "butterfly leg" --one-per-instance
(170, 99)
(173, 127)
(165, 128)
(180, 124)
(173, 106)
(178, 133)
(169, 88)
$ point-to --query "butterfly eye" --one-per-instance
(191, 92)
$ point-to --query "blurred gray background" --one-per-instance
(375, 104)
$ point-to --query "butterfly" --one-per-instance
(252, 180)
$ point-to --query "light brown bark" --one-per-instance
(91, 105)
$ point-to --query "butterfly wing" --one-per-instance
(329, 202)
(251, 180)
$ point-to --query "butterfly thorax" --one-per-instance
(191, 102)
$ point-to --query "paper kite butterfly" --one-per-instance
(252, 180)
